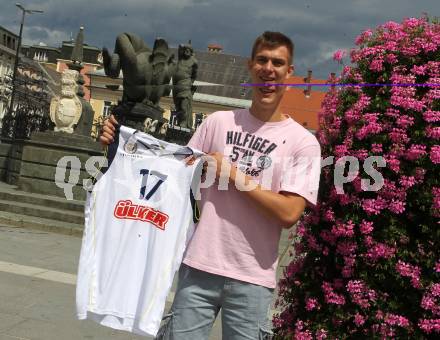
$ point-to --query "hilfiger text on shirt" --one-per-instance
(244, 149)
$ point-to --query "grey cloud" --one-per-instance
(318, 27)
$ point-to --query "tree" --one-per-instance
(367, 257)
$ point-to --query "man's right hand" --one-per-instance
(108, 131)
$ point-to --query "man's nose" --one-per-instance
(268, 66)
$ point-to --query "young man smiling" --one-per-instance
(231, 260)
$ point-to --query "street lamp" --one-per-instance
(14, 74)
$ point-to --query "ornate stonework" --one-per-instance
(65, 111)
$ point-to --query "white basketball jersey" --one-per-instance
(138, 219)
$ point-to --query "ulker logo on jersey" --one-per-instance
(250, 151)
(125, 209)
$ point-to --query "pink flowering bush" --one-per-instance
(367, 263)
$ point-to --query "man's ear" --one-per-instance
(290, 72)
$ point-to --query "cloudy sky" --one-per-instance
(318, 27)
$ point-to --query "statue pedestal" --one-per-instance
(41, 154)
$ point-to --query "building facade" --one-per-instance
(8, 46)
(58, 58)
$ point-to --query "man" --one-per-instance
(231, 260)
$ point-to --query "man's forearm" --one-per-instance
(285, 208)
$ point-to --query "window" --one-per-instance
(107, 107)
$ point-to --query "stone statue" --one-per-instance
(183, 88)
(146, 77)
(72, 113)
(65, 111)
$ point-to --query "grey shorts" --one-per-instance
(201, 295)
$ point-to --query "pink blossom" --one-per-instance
(343, 229)
(433, 132)
(434, 155)
(410, 271)
(392, 26)
(349, 264)
(360, 294)
(366, 227)
(376, 148)
(407, 102)
(363, 37)
(380, 315)
(431, 301)
(396, 206)
(433, 67)
(329, 215)
(361, 154)
(435, 289)
(392, 162)
(301, 333)
(413, 23)
(371, 127)
(398, 136)
(396, 320)
(378, 251)
(359, 320)
(431, 116)
(430, 325)
(339, 55)
(376, 64)
(374, 206)
(393, 113)
(407, 181)
(341, 150)
(391, 58)
(405, 121)
(415, 151)
(311, 304)
(428, 302)
(419, 70)
(330, 296)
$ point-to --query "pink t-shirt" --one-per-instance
(233, 238)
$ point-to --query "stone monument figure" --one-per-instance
(146, 77)
(65, 111)
(183, 88)
(72, 113)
